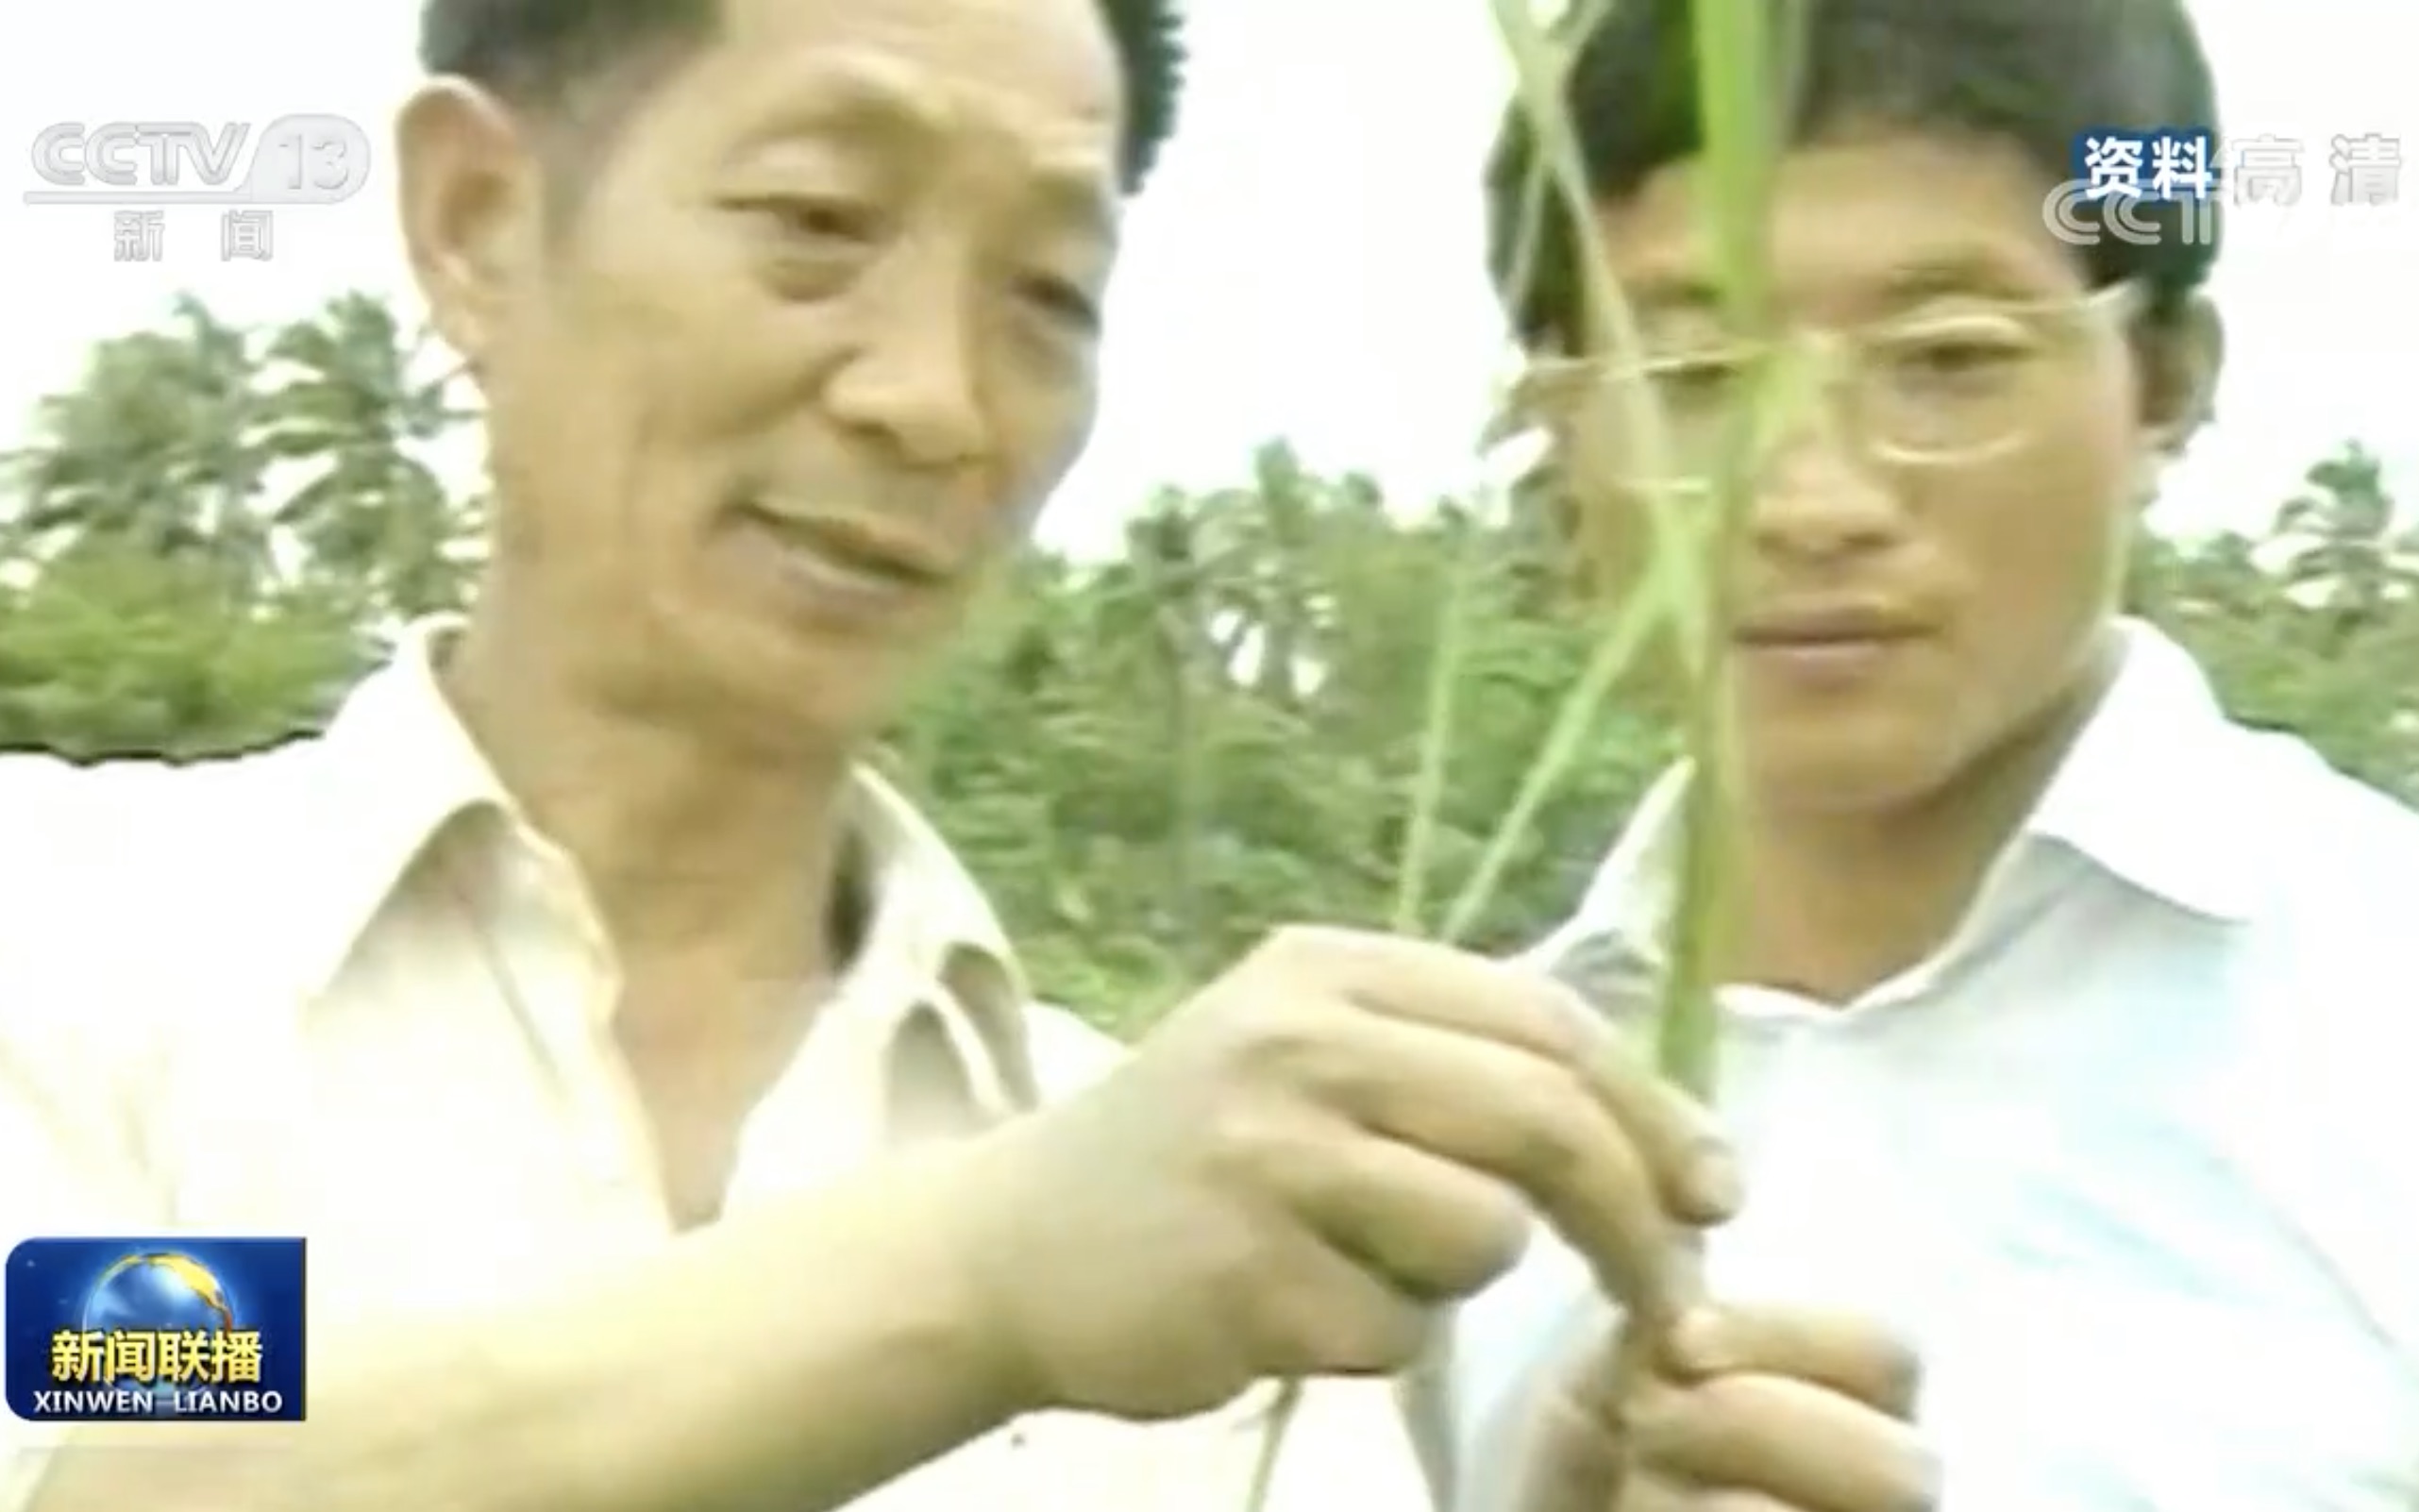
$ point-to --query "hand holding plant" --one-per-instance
(1306, 1155)
(1758, 1407)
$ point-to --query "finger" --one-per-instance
(1317, 1311)
(1527, 1120)
(1438, 985)
(1796, 1442)
(1684, 1147)
(1567, 1458)
(1648, 1491)
(1596, 1380)
(1655, 1493)
(1449, 989)
(1844, 1351)
(1438, 1231)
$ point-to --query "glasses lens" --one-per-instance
(1943, 391)
(1950, 390)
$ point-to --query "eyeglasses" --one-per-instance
(1944, 390)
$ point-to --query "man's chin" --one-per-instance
(1841, 773)
(783, 683)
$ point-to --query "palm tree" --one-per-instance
(157, 448)
(361, 405)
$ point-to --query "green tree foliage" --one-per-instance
(1148, 759)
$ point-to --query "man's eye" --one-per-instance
(1955, 356)
(1064, 300)
(821, 219)
(1695, 381)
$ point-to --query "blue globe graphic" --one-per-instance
(161, 1293)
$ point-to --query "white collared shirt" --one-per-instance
(343, 990)
(2134, 1160)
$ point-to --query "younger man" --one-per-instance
(2062, 1048)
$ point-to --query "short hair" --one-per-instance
(2028, 73)
(539, 53)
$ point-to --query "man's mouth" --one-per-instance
(1813, 628)
(873, 553)
(1827, 645)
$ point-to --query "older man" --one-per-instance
(669, 1122)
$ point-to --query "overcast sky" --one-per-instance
(1306, 265)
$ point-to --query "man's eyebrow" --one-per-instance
(1661, 299)
(1968, 274)
(867, 95)
(1656, 296)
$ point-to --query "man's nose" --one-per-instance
(911, 380)
(1818, 499)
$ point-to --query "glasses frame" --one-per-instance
(1832, 355)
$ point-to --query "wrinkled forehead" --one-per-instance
(1860, 231)
(1036, 81)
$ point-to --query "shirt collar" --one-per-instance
(398, 772)
(2154, 794)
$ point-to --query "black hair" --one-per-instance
(538, 53)
(2030, 74)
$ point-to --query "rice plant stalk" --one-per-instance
(1683, 590)
(1740, 109)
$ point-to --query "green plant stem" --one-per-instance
(1685, 584)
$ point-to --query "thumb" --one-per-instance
(1574, 1461)
(1557, 1446)
(1595, 1381)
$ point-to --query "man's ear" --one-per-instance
(472, 205)
(2181, 359)
(1559, 485)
